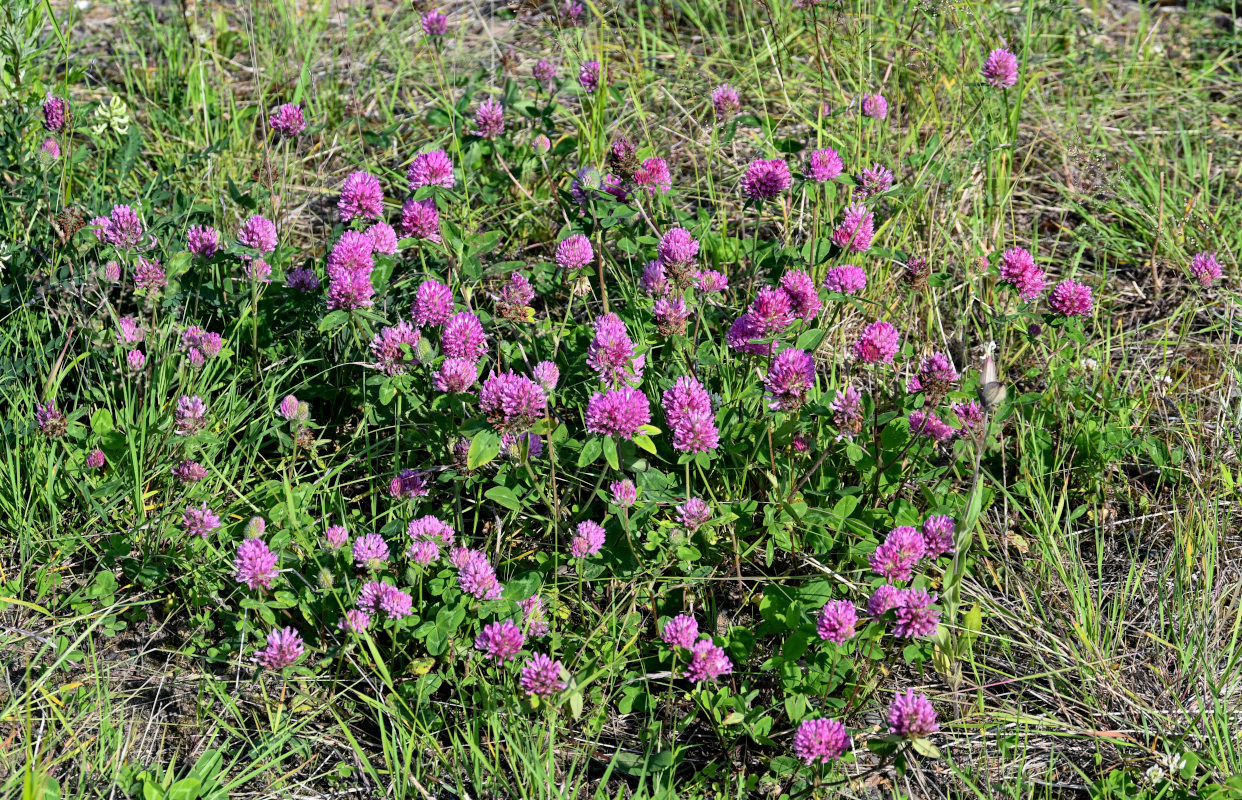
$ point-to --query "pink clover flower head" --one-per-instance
(55, 113)
(820, 741)
(431, 169)
(354, 621)
(588, 539)
(112, 272)
(969, 414)
(512, 403)
(409, 484)
(258, 233)
(571, 12)
(395, 348)
(383, 238)
(772, 311)
(1001, 68)
(135, 360)
(937, 373)
(790, 377)
(824, 165)
(710, 281)
(931, 426)
(284, 647)
(1071, 299)
(302, 280)
(725, 102)
(671, 314)
(287, 120)
(677, 247)
(857, 229)
(376, 597)
(694, 513)
(336, 536)
(684, 397)
(423, 553)
(541, 144)
(421, 220)
(744, 335)
(803, 297)
(191, 415)
(766, 179)
(1018, 268)
(877, 345)
(896, 558)
(130, 331)
(875, 106)
(544, 72)
(911, 715)
(255, 564)
(189, 471)
(938, 535)
(361, 197)
(433, 304)
(95, 459)
(435, 23)
(653, 176)
(533, 615)
(50, 421)
(199, 520)
(618, 412)
(624, 493)
(696, 433)
(463, 337)
(574, 252)
(431, 529)
(149, 274)
(885, 598)
(655, 279)
(872, 181)
(124, 228)
(546, 375)
(370, 551)
(846, 279)
(611, 352)
(588, 76)
(490, 119)
(516, 295)
(203, 241)
(708, 662)
(837, 621)
(914, 615)
(500, 641)
(260, 271)
(680, 631)
(455, 376)
(542, 676)
(1205, 269)
(288, 408)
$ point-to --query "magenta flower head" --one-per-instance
(931, 426)
(671, 314)
(970, 414)
(912, 716)
(546, 375)
(370, 551)
(1072, 299)
(725, 102)
(135, 360)
(574, 252)
(1205, 268)
(857, 229)
(872, 181)
(819, 741)
(433, 304)
(423, 553)
(772, 311)
(203, 241)
(694, 513)
(1018, 268)
(708, 662)
(258, 233)
(199, 520)
(824, 165)
(130, 331)
(376, 596)
(490, 119)
(431, 529)
(383, 238)
(475, 575)
(542, 676)
(618, 412)
(500, 641)
(544, 72)
(914, 615)
(655, 279)
(302, 280)
(287, 120)
(255, 564)
(624, 493)
(189, 471)
(677, 247)
(803, 297)
(395, 348)
(846, 279)
(149, 274)
(875, 106)
(688, 410)
(49, 151)
(883, 599)
(765, 179)
(361, 196)
(710, 281)
(288, 407)
(408, 484)
(744, 335)
(533, 618)
(653, 176)
(421, 220)
(611, 352)
(95, 459)
(1001, 68)
(837, 621)
(896, 558)
(55, 113)
(434, 23)
(512, 403)
(588, 539)
(680, 631)
(431, 169)
(284, 647)
(354, 621)
(191, 415)
(937, 374)
(790, 377)
(541, 144)
(571, 12)
(336, 537)
(588, 76)
(877, 345)
(456, 375)
(123, 228)
(50, 421)
(463, 337)
(112, 272)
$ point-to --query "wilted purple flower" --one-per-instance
(1072, 299)
(694, 513)
(611, 352)
(370, 551)
(575, 252)
(708, 662)
(546, 375)
(395, 348)
(532, 615)
(512, 403)
(846, 279)
(803, 298)
(680, 631)
(970, 415)
(725, 102)
(500, 640)
(916, 272)
(873, 181)
(255, 564)
(819, 741)
(149, 274)
(189, 471)
(874, 106)
(912, 716)
(710, 281)
(354, 621)
(896, 558)
(302, 279)
(1018, 268)
(463, 337)
(1001, 68)
(1205, 268)
(55, 113)
(837, 621)
(455, 375)
(96, 459)
(588, 539)
(670, 315)
(433, 304)
(624, 493)
(824, 165)
(203, 241)
(571, 12)
(883, 599)
(287, 120)
(544, 72)
(856, 230)
(191, 415)
(490, 119)
(938, 535)
(542, 676)
(931, 426)
(790, 377)
(653, 176)
(588, 76)
(284, 647)
(135, 360)
(421, 220)
(409, 484)
(765, 179)
(937, 374)
(361, 196)
(677, 247)
(877, 345)
(336, 536)
(199, 520)
(771, 311)
(434, 23)
(431, 169)
(258, 233)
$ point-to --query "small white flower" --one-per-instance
(1154, 773)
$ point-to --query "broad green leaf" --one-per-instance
(504, 496)
(483, 448)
